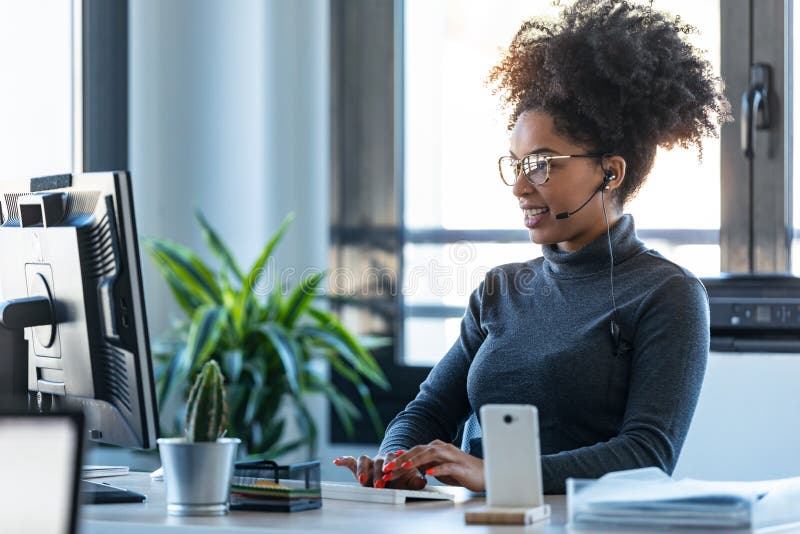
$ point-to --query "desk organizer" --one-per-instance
(263, 485)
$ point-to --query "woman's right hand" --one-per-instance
(369, 472)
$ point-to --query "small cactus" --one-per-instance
(207, 408)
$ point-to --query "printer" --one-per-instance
(754, 313)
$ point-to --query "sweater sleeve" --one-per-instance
(442, 403)
(670, 349)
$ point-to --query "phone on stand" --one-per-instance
(511, 455)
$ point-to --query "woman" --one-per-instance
(607, 338)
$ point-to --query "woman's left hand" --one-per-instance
(444, 461)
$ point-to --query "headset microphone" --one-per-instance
(608, 177)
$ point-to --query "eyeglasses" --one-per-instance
(536, 167)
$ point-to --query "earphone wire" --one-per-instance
(614, 321)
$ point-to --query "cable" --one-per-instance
(614, 322)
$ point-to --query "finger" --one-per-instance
(378, 477)
(393, 472)
(449, 470)
(452, 474)
(384, 467)
(417, 482)
(406, 460)
(364, 470)
(413, 480)
(392, 460)
(430, 456)
(347, 461)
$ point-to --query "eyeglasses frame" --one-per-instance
(548, 159)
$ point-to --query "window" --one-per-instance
(35, 96)
(793, 19)
(51, 125)
(459, 219)
(419, 100)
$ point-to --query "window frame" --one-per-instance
(99, 85)
(761, 240)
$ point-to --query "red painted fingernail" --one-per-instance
(388, 467)
(429, 471)
(362, 478)
(406, 465)
(337, 461)
(386, 478)
(380, 483)
(401, 451)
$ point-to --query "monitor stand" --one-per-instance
(15, 316)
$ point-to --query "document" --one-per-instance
(648, 497)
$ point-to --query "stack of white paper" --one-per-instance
(97, 471)
(648, 497)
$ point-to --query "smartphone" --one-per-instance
(512, 463)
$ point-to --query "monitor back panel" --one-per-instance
(88, 263)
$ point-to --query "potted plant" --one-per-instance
(198, 467)
(268, 341)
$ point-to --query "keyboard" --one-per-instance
(356, 492)
(102, 493)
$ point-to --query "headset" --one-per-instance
(608, 176)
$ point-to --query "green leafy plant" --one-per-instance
(268, 344)
(207, 408)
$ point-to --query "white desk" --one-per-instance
(150, 517)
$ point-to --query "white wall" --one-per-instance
(747, 422)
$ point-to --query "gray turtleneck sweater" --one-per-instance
(539, 333)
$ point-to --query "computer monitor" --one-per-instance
(73, 329)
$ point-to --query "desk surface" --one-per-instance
(151, 516)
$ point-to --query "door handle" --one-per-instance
(755, 107)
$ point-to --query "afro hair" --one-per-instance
(617, 77)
